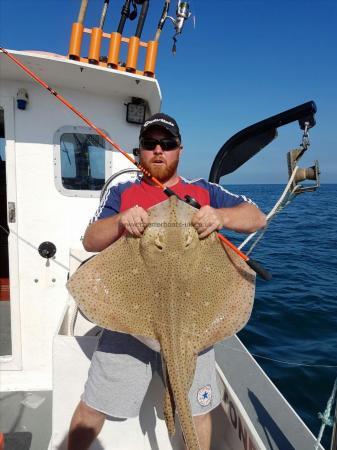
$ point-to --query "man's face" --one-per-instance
(160, 163)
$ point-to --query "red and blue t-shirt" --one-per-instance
(127, 194)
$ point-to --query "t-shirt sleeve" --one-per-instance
(222, 198)
(109, 206)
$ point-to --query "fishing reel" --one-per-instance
(133, 14)
(182, 14)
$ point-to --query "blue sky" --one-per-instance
(243, 62)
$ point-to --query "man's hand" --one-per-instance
(135, 220)
(206, 220)
(243, 218)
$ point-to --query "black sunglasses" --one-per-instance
(166, 143)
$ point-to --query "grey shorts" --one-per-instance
(121, 370)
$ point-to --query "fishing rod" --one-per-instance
(142, 16)
(182, 14)
(83, 11)
(134, 42)
(116, 37)
(126, 14)
(162, 20)
(77, 32)
(257, 267)
(103, 15)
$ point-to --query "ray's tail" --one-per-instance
(179, 374)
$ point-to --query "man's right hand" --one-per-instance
(134, 220)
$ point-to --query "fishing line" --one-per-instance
(6, 231)
(257, 267)
(291, 363)
(33, 246)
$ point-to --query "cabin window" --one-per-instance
(80, 162)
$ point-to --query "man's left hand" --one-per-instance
(206, 220)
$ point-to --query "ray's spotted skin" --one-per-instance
(172, 287)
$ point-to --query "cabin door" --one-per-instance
(10, 342)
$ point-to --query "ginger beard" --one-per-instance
(162, 172)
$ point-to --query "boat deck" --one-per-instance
(27, 420)
(5, 328)
(276, 422)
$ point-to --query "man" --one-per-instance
(121, 367)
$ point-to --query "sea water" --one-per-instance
(295, 314)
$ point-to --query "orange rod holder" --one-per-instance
(253, 264)
(95, 45)
(115, 45)
(76, 41)
(131, 62)
(151, 57)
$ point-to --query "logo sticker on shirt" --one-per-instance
(204, 395)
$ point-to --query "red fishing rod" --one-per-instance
(257, 267)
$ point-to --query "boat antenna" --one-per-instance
(256, 266)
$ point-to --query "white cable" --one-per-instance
(275, 208)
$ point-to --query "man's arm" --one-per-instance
(243, 218)
(100, 234)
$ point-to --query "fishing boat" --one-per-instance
(52, 173)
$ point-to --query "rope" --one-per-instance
(327, 419)
(282, 202)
